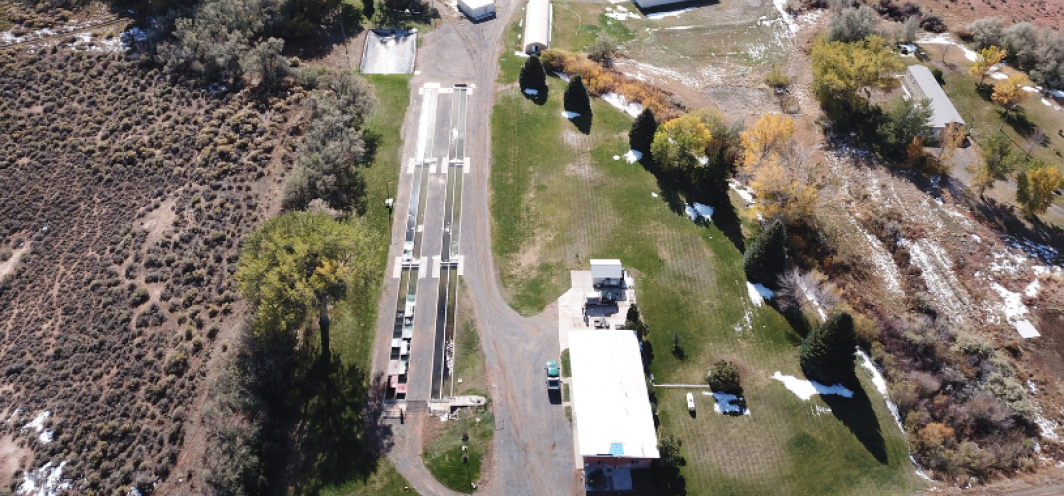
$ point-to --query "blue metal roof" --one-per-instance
(617, 449)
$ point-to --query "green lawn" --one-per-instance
(469, 357)
(449, 463)
(565, 363)
(339, 458)
(560, 198)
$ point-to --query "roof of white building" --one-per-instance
(942, 110)
(610, 401)
(476, 4)
(606, 269)
(537, 25)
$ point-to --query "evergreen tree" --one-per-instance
(533, 76)
(766, 257)
(826, 353)
(642, 133)
(576, 98)
(724, 377)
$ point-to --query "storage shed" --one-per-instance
(921, 84)
(477, 9)
(606, 272)
(538, 20)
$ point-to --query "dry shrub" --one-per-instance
(601, 80)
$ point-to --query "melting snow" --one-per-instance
(1048, 427)
(633, 156)
(570, 115)
(521, 54)
(998, 75)
(699, 210)
(621, 103)
(530, 91)
(621, 14)
(37, 423)
(788, 19)
(45, 481)
(946, 39)
(726, 404)
(745, 193)
(806, 389)
(1014, 310)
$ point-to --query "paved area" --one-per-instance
(533, 441)
(388, 51)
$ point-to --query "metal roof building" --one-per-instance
(477, 9)
(606, 272)
(921, 84)
(538, 20)
(614, 422)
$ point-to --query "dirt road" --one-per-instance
(533, 452)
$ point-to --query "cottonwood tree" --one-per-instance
(766, 257)
(999, 159)
(1035, 187)
(852, 24)
(576, 98)
(765, 138)
(987, 59)
(950, 138)
(680, 144)
(1010, 93)
(827, 353)
(299, 261)
(532, 75)
(603, 49)
(786, 188)
(841, 71)
(641, 135)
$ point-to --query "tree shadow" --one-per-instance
(541, 96)
(583, 121)
(1018, 121)
(340, 439)
(660, 479)
(985, 91)
(648, 355)
(1006, 219)
(859, 416)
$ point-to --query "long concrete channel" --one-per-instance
(444, 269)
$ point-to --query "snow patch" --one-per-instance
(882, 260)
(621, 14)
(633, 156)
(1047, 427)
(806, 389)
(45, 481)
(788, 19)
(570, 115)
(37, 423)
(1015, 310)
(521, 54)
(727, 404)
(699, 210)
(531, 91)
(621, 103)
(946, 39)
(998, 75)
(745, 193)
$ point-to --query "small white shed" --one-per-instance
(477, 9)
(538, 19)
(606, 272)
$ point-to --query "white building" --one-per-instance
(606, 272)
(614, 421)
(477, 9)
(649, 4)
(538, 20)
(922, 85)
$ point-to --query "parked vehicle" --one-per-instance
(554, 381)
(690, 402)
(599, 298)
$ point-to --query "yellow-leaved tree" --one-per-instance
(681, 143)
(764, 139)
(987, 59)
(1035, 187)
(842, 70)
(1010, 93)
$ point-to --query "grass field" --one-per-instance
(560, 198)
(727, 38)
(340, 460)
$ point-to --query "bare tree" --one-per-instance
(1037, 138)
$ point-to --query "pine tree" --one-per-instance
(766, 257)
(576, 98)
(533, 76)
(827, 352)
(724, 377)
(642, 133)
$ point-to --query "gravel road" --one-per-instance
(533, 452)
